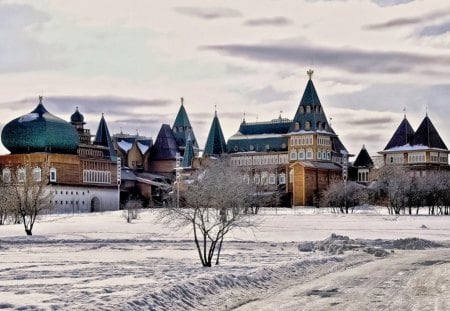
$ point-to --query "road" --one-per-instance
(406, 280)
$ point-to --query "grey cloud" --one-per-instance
(208, 13)
(344, 58)
(406, 21)
(384, 3)
(20, 51)
(270, 21)
(436, 30)
(378, 121)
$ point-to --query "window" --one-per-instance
(301, 109)
(251, 148)
(319, 126)
(293, 155)
(6, 175)
(246, 178)
(21, 175)
(301, 154)
(363, 175)
(256, 179)
(307, 125)
(328, 155)
(272, 179)
(319, 155)
(267, 147)
(53, 175)
(282, 179)
(283, 146)
(264, 178)
(309, 154)
(174, 129)
(308, 109)
(180, 129)
(297, 126)
(37, 174)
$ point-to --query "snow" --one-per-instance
(409, 147)
(125, 146)
(29, 117)
(143, 148)
(98, 261)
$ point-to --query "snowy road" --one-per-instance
(408, 280)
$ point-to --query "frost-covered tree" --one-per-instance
(344, 196)
(27, 194)
(213, 204)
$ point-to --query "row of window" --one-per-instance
(266, 178)
(95, 165)
(307, 126)
(309, 109)
(363, 175)
(323, 140)
(22, 174)
(89, 152)
(67, 202)
(67, 192)
(260, 160)
(417, 157)
(301, 140)
(96, 177)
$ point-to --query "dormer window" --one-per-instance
(174, 129)
(301, 109)
(297, 126)
(180, 129)
(307, 125)
(308, 109)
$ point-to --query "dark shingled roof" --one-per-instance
(315, 117)
(188, 153)
(182, 121)
(103, 138)
(276, 126)
(215, 143)
(363, 159)
(402, 136)
(165, 147)
(427, 135)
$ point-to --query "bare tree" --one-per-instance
(28, 194)
(344, 196)
(5, 201)
(213, 204)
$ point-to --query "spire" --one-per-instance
(215, 143)
(103, 138)
(310, 115)
(165, 147)
(181, 126)
(188, 152)
(402, 135)
(363, 159)
(427, 135)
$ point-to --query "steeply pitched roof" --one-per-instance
(363, 159)
(276, 126)
(103, 138)
(427, 135)
(188, 153)
(215, 143)
(402, 135)
(310, 111)
(181, 127)
(165, 147)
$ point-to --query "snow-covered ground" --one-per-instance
(100, 262)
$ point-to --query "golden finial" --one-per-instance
(310, 72)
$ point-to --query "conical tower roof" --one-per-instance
(181, 127)
(363, 159)
(402, 135)
(310, 115)
(165, 147)
(102, 138)
(188, 153)
(215, 143)
(427, 135)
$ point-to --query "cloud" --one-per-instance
(370, 121)
(406, 21)
(268, 95)
(271, 21)
(20, 50)
(436, 30)
(344, 58)
(208, 13)
(384, 3)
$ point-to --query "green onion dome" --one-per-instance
(40, 131)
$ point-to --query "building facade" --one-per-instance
(82, 175)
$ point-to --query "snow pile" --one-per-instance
(143, 148)
(125, 146)
(29, 117)
(338, 244)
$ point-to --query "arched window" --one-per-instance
(180, 129)
(37, 174)
(21, 174)
(174, 129)
(53, 174)
(293, 155)
(301, 154)
(307, 125)
(301, 109)
(297, 126)
(308, 109)
(319, 126)
(6, 175)
(282, 178)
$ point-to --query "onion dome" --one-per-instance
(40, 131)
(77, 117)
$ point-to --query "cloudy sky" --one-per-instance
(133, 60)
